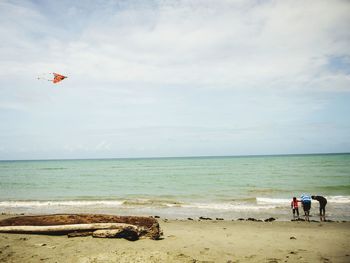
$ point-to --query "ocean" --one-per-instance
(178, 188)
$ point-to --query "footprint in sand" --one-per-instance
(325, 260)
(273, 260)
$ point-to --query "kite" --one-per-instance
(56, 77)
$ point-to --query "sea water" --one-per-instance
(225, 187)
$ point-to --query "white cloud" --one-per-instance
(103, 146)
(251, 66)
(211, 43)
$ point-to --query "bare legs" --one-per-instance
(322, 213)
(307, 215)
(297, 211)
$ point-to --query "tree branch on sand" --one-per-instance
(109, 226)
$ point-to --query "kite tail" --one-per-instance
(40, 78)
(45, 76)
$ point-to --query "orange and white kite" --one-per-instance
(56, 77)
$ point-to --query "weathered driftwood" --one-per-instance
(129, 233)
(63, 228)
(106, 230)
(147, 226)
(80, 234)
(106, 233)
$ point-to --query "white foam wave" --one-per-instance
(265, 200)
(113, 203)
(150, 202)
(283, 201)
(59, 203)
(340, 199)
(89, 203)
(228, 206)
(262, 203)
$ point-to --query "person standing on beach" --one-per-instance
(323, 202)
(295, 206)
(306, 202)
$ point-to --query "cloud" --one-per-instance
(221, 44)
(215, 45)
(103, 146)
(144, 75)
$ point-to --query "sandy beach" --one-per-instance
(193, 241)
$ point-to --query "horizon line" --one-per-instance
(176, 157)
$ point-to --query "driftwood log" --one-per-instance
(129, 233)
(63, 228)
(129, 227)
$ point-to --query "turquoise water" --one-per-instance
(228, 187)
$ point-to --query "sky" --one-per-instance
(174, 78)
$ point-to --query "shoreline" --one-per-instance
(193, 241)
(338, 207)
(196, 219)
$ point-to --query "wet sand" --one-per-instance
(193, 241)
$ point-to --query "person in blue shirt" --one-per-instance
(306, 202)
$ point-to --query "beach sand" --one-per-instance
(193, 241)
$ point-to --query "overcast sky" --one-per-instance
(174, 78)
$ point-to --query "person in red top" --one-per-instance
(294, 205)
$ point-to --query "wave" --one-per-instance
(243, 199)
(92, 203)
(228, 206)
(136, 203)
(258, 203)
(266, 200)
(59, 203)
(340, 199)
(151, 202)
